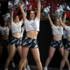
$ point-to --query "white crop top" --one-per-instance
(67, 29)
(4, 31)
(57, 30)
(32, 25)
(16, 27)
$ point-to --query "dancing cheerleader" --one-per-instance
(15, 40)
(57, 31)
(4, 34)
(32, 29)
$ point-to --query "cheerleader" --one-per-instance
(57, 31)
(16, 38)
(30, 41)
(66, 41)
(4, 34)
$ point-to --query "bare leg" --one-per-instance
(12, 50)
(51, 54)
(61, 51)
(65, 59)
(36, 55)
(23, 61)
(19, 48)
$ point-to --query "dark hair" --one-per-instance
(28, 13)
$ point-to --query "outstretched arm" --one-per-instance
(64, 19)
(50, 20)
(22, 11)
(11, 15)
(62, 22)
(38, 9)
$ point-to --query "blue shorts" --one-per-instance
(31, 43)
(64, 42)
(17, 42)
(67, 44)
(56, 44)
(4, 42)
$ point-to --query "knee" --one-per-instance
(38, 61)
(50, 57)
(24, 57)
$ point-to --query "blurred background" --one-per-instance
(45, 34)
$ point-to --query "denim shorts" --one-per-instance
(29, 42)
(17, 42)
(56, 44)
(67, 44)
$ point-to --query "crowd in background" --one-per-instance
(31, 11)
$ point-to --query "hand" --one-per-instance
(21, 4)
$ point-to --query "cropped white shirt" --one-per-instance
(16, 27)
(32, 25)
(57, 30)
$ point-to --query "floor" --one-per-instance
(31, 68)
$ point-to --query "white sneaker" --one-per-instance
(25, 68)
(28, 67)
(6, 69)
(13, 65)
(45, 68)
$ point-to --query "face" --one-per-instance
(32, 14)
(16, 18)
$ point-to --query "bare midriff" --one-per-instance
(32, 34)
(17, 35)
(57, 37)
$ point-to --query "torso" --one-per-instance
(32, 34)
(16, 29)
(4, 33)
(32, 27)
(57, 32)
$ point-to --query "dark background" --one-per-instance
(45, 35)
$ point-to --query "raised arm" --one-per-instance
(38, 9)
(62, 22)
(50, 20)
(11, 15)
(22, 11)
(64, 19)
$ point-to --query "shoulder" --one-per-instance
(37, 19)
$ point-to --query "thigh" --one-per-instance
(25, 51)
(66, 53)
(19, 48)
(61, 50)
(11, 49)
(51, 51)
(35, 53)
